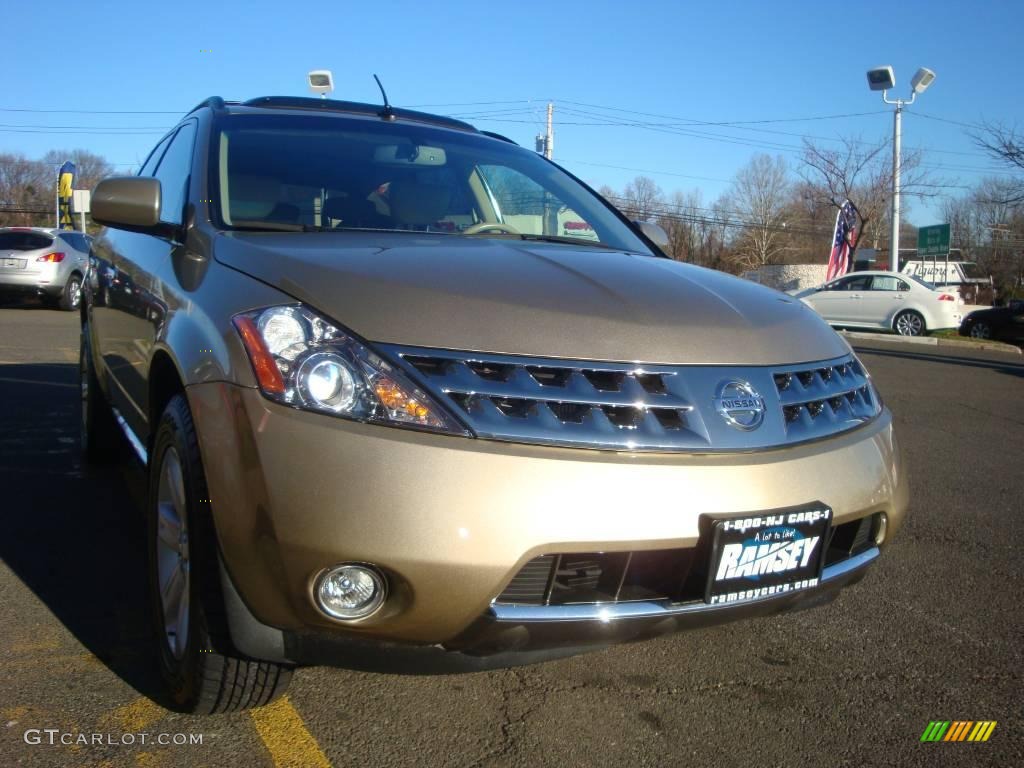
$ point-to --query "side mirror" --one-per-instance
(654, 233)
(131, 203)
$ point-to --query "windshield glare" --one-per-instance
(312, 172)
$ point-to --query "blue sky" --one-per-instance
(498, 64)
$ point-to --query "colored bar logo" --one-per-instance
(958, 730)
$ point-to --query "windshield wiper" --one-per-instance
(270, 226)
(546, 239)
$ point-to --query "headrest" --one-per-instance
(418, 204)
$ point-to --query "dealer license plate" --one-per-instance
(765, 554)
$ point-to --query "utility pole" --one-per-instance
(549, 139)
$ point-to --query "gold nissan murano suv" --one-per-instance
(412, 398)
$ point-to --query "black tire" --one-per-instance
(981, 330)
(98, 432)
(206, 675)
(909, 323)
(71, 296)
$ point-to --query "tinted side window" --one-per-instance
(858, 283)
(154, 158)
(75, 240)
(173, 173)
(855, 283)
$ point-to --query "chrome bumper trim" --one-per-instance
(606, 612)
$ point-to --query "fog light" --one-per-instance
(350, 592)
(883, 523)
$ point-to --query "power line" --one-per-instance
(726, 122)
(94, 111)
(562, 161)
(84, 132)
(88, 127)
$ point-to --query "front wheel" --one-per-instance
(981, 331)
(203, 672)
(909, 323)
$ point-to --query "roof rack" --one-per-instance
(216, 103)
(353, 107)
(498, 136)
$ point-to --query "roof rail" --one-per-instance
(498, 136)
(216, 103)
(354, 107)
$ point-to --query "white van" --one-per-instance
(973, 285)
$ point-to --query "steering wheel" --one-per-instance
(485, 226)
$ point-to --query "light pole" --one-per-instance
(883, 79)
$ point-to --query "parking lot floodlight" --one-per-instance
(321, 81)
(881, 78)
(922, 79)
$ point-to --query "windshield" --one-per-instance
(297, 172)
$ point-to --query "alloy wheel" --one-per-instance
(909, 324)
(172, 553)
(981, 331)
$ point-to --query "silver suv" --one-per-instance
(45, 263)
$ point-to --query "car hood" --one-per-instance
(529, 298)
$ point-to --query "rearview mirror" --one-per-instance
(128, 202)
(654, 233)
(409, 154)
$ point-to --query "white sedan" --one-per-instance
(884, 300)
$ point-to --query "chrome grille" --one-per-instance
(825, 399)
(638, 407)
(570, 404)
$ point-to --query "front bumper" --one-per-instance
(451, 520)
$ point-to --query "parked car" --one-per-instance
(47, 263)
(385, 427)
(884, 300)
(1000, 323)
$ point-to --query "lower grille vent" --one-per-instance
(603, 577)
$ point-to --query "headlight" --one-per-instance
(306, 362)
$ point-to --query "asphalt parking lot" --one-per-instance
(933, 633)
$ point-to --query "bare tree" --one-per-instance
(987, 224)
(759, 195)
(28, 187)
(90, 168)
(1007, 146)
(641, 200)
(26, 191)
(862, 173)
(680, 217)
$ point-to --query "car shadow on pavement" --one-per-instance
(1010, 368)
(72, 535)
(24, 303)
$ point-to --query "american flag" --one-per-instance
(844, 241)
